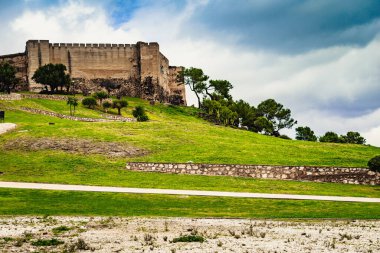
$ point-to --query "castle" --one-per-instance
(140, 70)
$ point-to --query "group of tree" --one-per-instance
(306, 134)
(218, 106)
(350, 137)
(92, 103)
(8, 80)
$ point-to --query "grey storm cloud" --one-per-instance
(292, 26)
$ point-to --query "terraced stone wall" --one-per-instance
(301, 173)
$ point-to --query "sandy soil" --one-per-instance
(5, 127)
(74, 234)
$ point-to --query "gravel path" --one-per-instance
(64, 187)
(5, 127)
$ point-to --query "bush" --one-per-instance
(374, 164)
(189, 238)
(89, 102)
(139, 113)
(100, 95)
(107, 105)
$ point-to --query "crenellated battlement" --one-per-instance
(91, 45)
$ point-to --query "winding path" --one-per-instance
(64, 187)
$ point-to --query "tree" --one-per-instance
(73, 103)
(219, 88)
(246, 114)
(274, 112)
(119, 104)
(353, 138)
(53, 75)
(263, 125)
(8, 80)
(305, 134)
(139, 113)
(100, 96)
(106, 105)
(109, 85)
(330, 137)
(196, 80)
(89, 102)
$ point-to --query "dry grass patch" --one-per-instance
(73, 145)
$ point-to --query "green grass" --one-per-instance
(60, 167)
(174, 134)
(40, 202)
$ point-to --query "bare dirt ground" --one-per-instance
(86, 234)
(72, 145)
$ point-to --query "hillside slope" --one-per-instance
(175, 134)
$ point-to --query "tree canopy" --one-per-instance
(305, 134)
(217, 88)
(8, 80)
(53, 75)
(196, 80)
(279, 116)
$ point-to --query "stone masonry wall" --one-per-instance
(63, 116)
(302, 173)
(12, 96)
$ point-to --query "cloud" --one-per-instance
(329, 87)
(291, 26)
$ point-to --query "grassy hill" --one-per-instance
(174, 134)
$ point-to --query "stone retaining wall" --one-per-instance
(49, 97)
(12, 96)
(63, 116)
(302, 173)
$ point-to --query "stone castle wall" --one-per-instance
(302, 173)
(140, 68)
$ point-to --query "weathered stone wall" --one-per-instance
(63, 116)
(44, 96)
(12, 96)
(19, 61)
(177, 89)
(303, 173)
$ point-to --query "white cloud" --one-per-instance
(307, 83)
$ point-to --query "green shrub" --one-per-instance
(374, 164)
(89, 102)
(43, 242)
(100, 96)
(60, 229)
(139, 113)
(106, 105)
(189, 238)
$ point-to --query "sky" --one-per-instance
(319, 58)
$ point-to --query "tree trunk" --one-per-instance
(199, 100)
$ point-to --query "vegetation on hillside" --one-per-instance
(268, 118)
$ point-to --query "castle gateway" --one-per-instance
(138, 70)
